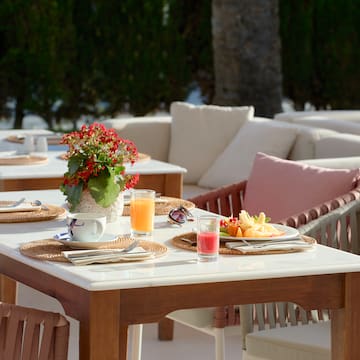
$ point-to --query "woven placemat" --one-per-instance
(141, 157)
(50, 249)
(51, 139)
(165, 205)
(226, 251)
(47, 212)
(24, 160)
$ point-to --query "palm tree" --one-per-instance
(247, 59)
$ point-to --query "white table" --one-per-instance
(163, 177)
(107, 298)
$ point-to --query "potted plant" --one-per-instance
(96, 176)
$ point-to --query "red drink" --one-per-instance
(208, 243)
(208, 237)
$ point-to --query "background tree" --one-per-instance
(321, 53)
(30, 66)
(247, 63)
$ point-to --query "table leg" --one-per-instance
(345, 323)
(101, 334)
(7, 290)
(166, 329)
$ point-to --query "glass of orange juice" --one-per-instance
(142, 212)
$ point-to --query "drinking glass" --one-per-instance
(142, 212)
(208, 239)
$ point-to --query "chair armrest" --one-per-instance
(227, 200)
(308, 215)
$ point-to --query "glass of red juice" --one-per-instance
(208, 227)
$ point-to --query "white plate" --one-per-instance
(290, 233)
(105, 240)
(26, 206)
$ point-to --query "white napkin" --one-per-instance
(26, 206)
(283, 245)
(86, 257)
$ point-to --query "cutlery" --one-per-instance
(278, 243)
(99, 252)
(189, 241)
(15, 204)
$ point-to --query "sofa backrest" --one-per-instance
(306, 138)
(339, 125)
(151, 134)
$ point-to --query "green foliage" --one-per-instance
(106, 180)
(63, 57)
(320, 52)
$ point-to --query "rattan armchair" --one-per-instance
(31, 334)
(228, 200)
(269, 331)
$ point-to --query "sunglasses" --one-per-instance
(180, 215)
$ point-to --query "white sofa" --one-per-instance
(198, 138)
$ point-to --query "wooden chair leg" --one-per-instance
(7, 290)
(166, 329)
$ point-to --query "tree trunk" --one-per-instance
(247, 57)
(19, 112)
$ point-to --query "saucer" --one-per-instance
(106, 239)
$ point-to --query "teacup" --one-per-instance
(86, 227)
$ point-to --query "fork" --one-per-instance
(15, 204)
(97, 252)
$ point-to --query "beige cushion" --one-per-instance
(150, 134)
(200, 133)
(301, 342)
(235, 163)
(340, 145)
(348, 115)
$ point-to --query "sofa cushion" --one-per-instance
(200, 133)
(234, 164)
(150, 134)
(338, 145)
(282, 188)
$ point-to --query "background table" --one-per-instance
(160, 176)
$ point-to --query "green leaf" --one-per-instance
(74, 164)
(103, 188)
(73, 194)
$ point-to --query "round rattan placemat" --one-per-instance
(50, 249)
(141, 157)
(47, 212)
(165, 205)
(24, 160)
(51, 139)
(226, 251)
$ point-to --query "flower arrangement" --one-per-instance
(96, 158)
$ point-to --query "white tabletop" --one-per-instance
(176, 267)
(56, 167)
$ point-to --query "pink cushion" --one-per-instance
(282, 188)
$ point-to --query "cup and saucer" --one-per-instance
(85, 231)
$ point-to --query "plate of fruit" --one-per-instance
(246, 227)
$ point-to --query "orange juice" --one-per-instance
(142, 211)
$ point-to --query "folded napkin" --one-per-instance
(26, 206)
(7, 154)
(86, 257)
(270, 245)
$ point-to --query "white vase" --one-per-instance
(113, 212)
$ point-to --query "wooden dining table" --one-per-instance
(107, 298)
